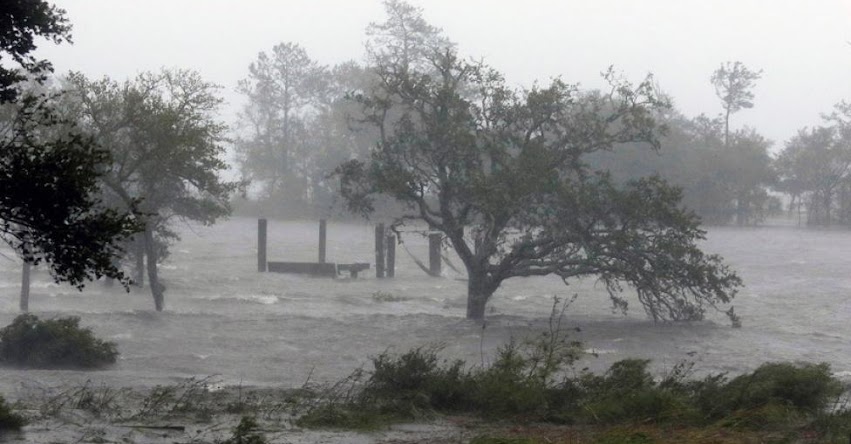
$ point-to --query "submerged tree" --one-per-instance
(167, 148)
(49, 210)
(501, 174)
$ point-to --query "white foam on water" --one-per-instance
(222, 317)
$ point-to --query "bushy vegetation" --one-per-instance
(246, 432)
(9, 420)
(53, 343)
(532, 381)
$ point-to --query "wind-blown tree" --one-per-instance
(167, 149)
(501, 173)
(405, 40)
(49, 210)
(285, 90)
(733, 83)
(21, 23)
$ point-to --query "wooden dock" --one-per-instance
(321, 269)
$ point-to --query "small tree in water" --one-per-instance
(500, 172)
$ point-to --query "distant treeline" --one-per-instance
(300, 123)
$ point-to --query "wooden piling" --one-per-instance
(379, 251)
(322, 232)
(25, 287)
(391, 256)
(434, 265)
(261, 245)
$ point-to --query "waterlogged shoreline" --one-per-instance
(273, 331)
(199, 411)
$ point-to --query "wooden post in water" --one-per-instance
(261, 245)
(25, 287)
(434, 265)
(391, 256)
(322, 231)
(379, 251)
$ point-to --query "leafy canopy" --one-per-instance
(49, 167)
(501, 173)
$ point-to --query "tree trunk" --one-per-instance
(478, 294)
(139, 278)
(153, 281)
(741, 212)
(25, 287)
(727, 128)
(828, 202)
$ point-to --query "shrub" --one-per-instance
(805, 387)
(417, 381)
(797, 389)
(53, 343)
(246, 432)
(832, 426)
(9, 420)
(627, 392)
(531, 380)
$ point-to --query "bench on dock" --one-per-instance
(353, 269)
(324, 269)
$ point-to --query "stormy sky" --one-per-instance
(802, 46)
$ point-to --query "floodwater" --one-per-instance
(224, 318)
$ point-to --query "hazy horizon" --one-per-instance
(803, 50)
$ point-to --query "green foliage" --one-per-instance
(832, 426)
(53, 343)
(418, 384)
(167, 148)
(9, 420)
(417, 381)
(814, 168)
(23, 23)
(802, 388)
(246, 432)
(627, 392)
(332, 416)
(49, 211)
(48, 167)
(507, 169)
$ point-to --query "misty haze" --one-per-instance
(391, 221)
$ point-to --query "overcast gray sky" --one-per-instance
(802, 46)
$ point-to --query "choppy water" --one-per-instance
(223, 318)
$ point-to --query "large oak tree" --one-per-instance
(501, 173)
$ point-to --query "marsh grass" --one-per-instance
(99, 400)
